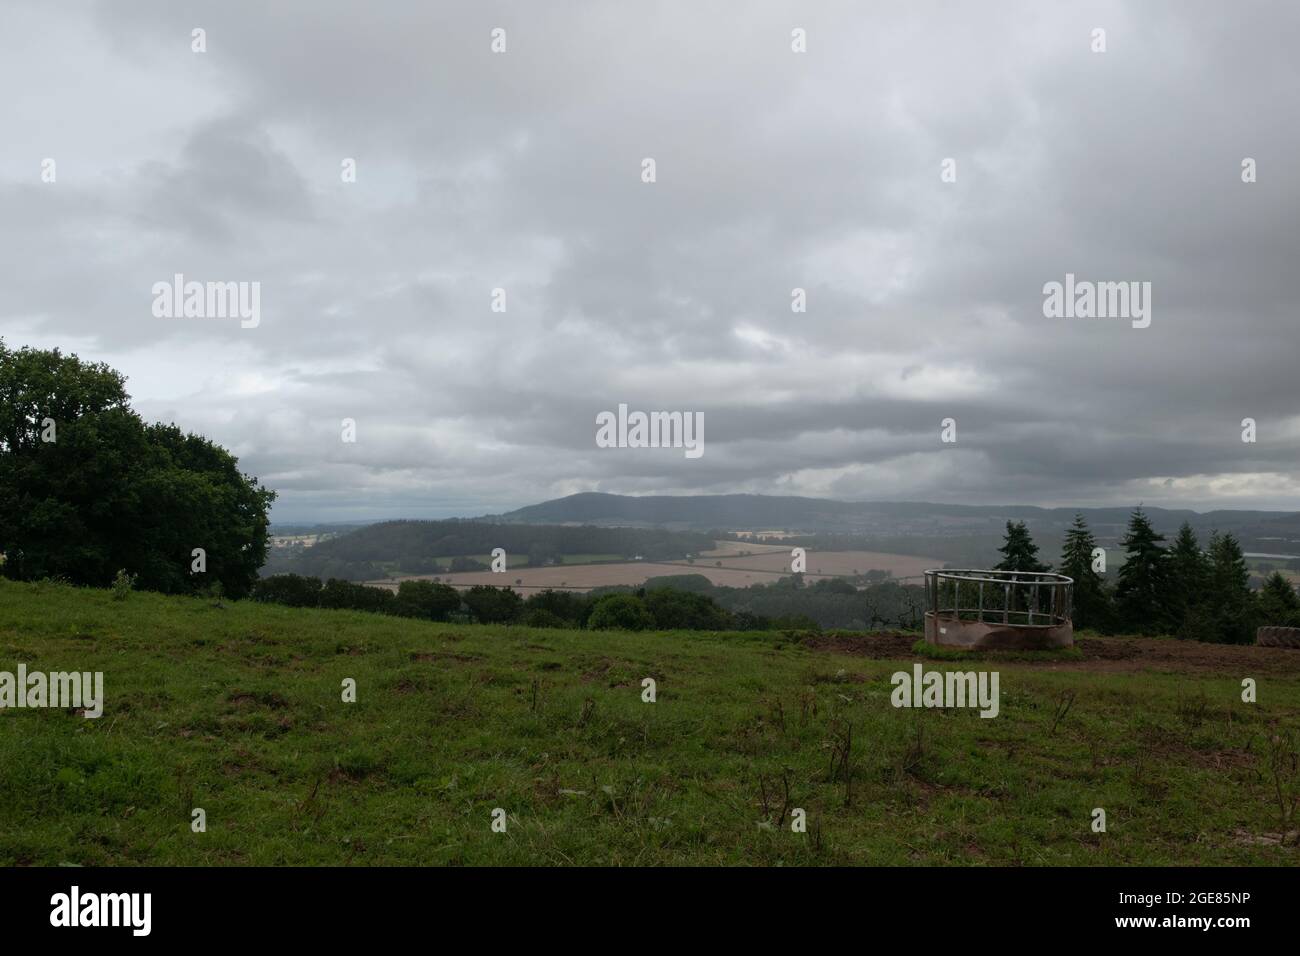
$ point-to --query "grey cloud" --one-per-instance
(774, 171)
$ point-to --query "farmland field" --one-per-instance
(724, 565)
(831, 563)
(237, 710)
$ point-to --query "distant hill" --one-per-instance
(422, 547)
(1277, 531)
(766, 512)
(602, 527)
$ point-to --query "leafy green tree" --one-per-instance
(491, 605)
(36, 384)
(835, 586)
(88, 489)
(745, 621)
(620, 612)
(291, 589)
(1140, 597)
(430, 600)
(347, 596)
(193, 495)
(673, 609)
(463, 562)
(541, 617)
(541, 554)
(564, 605)
(1092, 605)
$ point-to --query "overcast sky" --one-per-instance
(774, 170)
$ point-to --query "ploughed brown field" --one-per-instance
(764, 565)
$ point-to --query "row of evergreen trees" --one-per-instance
(1181, 589)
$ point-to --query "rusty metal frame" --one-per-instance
(1059, 600)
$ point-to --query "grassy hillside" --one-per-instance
(237, 710)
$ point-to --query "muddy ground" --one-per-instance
(1099, 654)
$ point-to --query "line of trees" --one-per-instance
(654, 608)
(1181, 588)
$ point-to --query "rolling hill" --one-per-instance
(757, 512)
(1273, 531)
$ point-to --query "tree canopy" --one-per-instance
(87, 488)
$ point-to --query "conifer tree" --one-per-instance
(1189, 579)
(1019, 553)
(1140, 597)
(1278, 604)
(1091, 599)
(1230, 596)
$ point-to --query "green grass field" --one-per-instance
(238, 710)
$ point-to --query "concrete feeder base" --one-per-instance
(947, 631)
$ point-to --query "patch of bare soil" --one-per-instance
(1166, 654)
(270, 699)
(1246, 838)
(1117, 654)
(601, 673)
(445, 656)
(879, 646)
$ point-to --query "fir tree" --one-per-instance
(1278, 604)
(1140, 597)
(1091, 600)
(1019, 553)
(1230, 595)
(1189, 579)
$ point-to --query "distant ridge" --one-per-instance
(775, 512)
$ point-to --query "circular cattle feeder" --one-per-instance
(983, 610)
